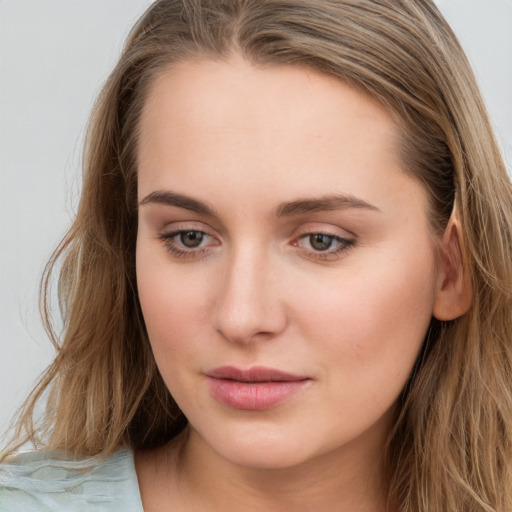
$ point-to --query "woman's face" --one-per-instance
(285, 264)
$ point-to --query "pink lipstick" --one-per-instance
(255, 389)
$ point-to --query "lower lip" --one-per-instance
(254, 396)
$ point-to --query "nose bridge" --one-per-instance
(249, 304)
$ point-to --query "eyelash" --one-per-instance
(169, 243)
(345, 244)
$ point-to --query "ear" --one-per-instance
(454, 292)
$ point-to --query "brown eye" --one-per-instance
(189, 243)
(320, 242)
(191, 239)
(324, 245)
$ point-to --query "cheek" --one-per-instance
(366, 319)
(177, 302)
(371, 319)
(173, 305)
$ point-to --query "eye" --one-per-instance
(324, 245)
(321, 242)
(191, 239)
(188, 242)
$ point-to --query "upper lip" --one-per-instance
(254, 374)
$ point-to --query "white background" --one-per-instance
(54, 56)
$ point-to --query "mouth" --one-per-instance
(254, 389)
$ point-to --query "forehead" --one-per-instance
(235, 93)
(276, 127)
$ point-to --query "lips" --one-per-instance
(254, 389)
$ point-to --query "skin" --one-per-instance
(244, 140)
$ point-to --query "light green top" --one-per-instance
(50, 482)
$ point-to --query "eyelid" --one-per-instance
(345, 239)
(324, 229)
(183, 226)
(172, 230)
(340, 239)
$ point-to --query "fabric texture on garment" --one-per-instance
(52, 482)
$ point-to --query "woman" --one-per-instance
(288, 285)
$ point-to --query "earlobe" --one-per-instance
(454, 292)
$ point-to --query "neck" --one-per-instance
(342, 480)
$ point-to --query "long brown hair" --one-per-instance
(451, 447)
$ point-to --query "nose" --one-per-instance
(250, 305)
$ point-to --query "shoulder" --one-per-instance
(49, 481)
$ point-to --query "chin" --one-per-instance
(263, 456)
(261, 446)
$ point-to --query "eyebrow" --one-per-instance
(287, 209)
(169, 198)
(324, 203)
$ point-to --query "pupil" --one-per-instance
(320, 242)
(191, 238)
